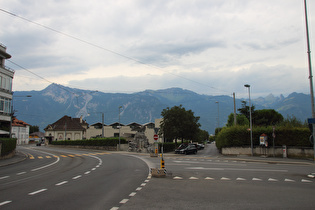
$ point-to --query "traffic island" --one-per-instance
(158, 172)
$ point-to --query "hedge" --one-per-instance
(92, 142)
(8, 146)
(239, 136)
(167, 147)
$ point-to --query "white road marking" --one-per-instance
(36, 192)
(272, 180)
(209, 178)
(4, 177)
(193, 178)
(177, 177)
(256, 179)
(139, 188)
(305, 180)
(5, 202)
(114, 208)
(240, 179)
(235, 169)
(61, 183)
(289, 180)
(21, 173)
(143, 184)
(225, 179)
(124, 201)
(132, 194)
(87, 172)
(77, 177)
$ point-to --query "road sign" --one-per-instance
(155, 137)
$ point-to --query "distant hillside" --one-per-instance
(48, 105)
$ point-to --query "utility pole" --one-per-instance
(234, 108)
(310, 73)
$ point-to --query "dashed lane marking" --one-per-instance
(21, 173)
(77, 177)
(124, 201)
(132, 194)
(36, 192)
(61, 183)
(4, 203)
(4, 177)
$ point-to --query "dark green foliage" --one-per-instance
(239, 136)
(8, 146)
(266, 117)
(240, 120)
(34, 128)
(92, 142)
(179, 123)
(167, 147)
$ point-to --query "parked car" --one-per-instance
(187, 149)
(181, 147)
(200, 146)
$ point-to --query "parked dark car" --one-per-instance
(187, 149)
(181, 147)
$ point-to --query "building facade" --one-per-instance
(20, 131)
(6, 94)
(66, 128)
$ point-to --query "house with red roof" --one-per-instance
(20, 131)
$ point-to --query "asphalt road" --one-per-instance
(53, 178)
(210, 181)
(57, 178)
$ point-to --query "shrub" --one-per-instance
(238, 136)
(8, 146)
(167, 147)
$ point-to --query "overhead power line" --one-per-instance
(103, 48)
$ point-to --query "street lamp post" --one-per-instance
(12, 111)
(250, 119)
(217, 102)
(102, 124)
(119, 126)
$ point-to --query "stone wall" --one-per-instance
(293, 152)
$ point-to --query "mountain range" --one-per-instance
(50, 104)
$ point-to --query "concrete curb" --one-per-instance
(21, 157)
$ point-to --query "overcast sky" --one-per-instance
(211, 47)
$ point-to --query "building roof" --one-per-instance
(67, 123)
(39, 134)
(18, 123)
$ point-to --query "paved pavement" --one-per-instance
(18, 157)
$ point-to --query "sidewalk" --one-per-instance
(18, 157)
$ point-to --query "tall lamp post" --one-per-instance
(250, 119)
(217, 102)
(12, 112)
(119, 126)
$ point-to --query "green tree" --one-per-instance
(240, 120)
(245, 110)
(34, 128)
(265, 117)
(179, 123)
(202, 136)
